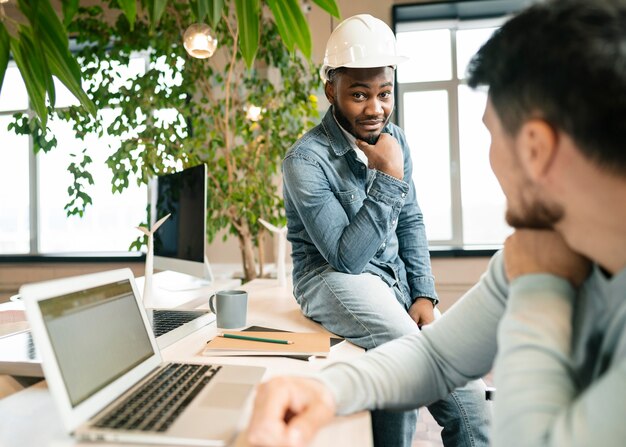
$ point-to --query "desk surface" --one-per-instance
(29, 417)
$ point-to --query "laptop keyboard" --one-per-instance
(157, 404)
(164, 321)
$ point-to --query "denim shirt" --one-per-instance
(355, 219)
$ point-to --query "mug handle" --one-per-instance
(211, 305)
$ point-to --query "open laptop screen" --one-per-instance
(97, 335)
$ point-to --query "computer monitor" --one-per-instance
(180, 242)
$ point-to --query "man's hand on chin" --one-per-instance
(422, 311)
(385, 156)
(543, 251)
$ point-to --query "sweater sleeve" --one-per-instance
(538, 401)
(419, 369)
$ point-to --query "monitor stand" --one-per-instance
(178, 282)
(173, 280)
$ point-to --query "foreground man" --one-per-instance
(551, 309)
(360, 253)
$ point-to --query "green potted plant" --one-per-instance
(209, 104)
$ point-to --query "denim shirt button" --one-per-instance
(393, 222)
(403, 195)
(352, 196)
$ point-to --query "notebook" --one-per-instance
(334, 341)
(106, 375)
(300, 344)
(18, 356)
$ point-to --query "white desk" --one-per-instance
(29, 417)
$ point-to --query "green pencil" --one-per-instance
(265, 340)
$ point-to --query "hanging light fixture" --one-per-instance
(199, 41)
(253, 113)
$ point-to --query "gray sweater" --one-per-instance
(560, 360)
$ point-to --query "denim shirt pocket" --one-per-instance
(351, 201)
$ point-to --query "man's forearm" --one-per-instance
(419, 369)
(534, 374)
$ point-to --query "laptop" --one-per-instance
(19, 357)
(106, 375)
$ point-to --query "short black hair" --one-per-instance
(333, 72)
(563, 61)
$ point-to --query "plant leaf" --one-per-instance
(32, 72)
(129, 7)
(292, 24)
(35, 40)
(215, 11)
(330, 6)
(70, 8)
(39, 42)
(5, 49)
(193, 6)
(248, 17)
(61, 62)
(157, 11)
(202, 9)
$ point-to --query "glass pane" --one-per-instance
(64, 98)
(122, 73)
(14, 191)
(426, 127)
(168, 77)
(468, 42)
(109, 224)
(484, 203)
(13, 95)
(136, 66)
(430, 56)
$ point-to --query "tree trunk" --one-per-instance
(247, 253)
(261, 245)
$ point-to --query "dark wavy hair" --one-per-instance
(563, 61)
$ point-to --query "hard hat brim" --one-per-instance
(374, 62)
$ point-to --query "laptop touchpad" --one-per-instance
(227, 395)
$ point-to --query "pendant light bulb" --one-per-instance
(199, 41)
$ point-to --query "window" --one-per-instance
(33, 189)
(462, 202)
(15, 152)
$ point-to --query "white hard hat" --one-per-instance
(360, 41)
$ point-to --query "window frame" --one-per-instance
(34, 255)
(33, 214)
(453, 15)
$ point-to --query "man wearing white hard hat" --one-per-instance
(359, 248)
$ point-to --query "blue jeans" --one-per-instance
(366, 311)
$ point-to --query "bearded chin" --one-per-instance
(538, 216)
(343, 121)
(371, 139)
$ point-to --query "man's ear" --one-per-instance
(329, 90)
(537, 143)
